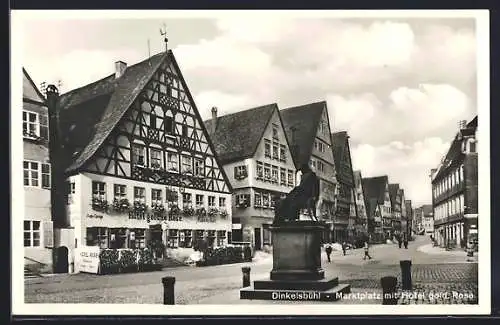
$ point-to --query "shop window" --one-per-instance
(186, 238)
(137, 238)
(211, 238)
(117, 238)
(173, 238)
(97, 236)
(221, 237)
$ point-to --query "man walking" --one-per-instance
(328, 250)
(366, 252)
(344, 247)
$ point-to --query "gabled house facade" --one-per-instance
(402, 225)
(308, 132)
(346, 213)
(37, 219)
(253, 148)
(137, 162)
(455, 189)
(361, 224)
(396, 208)
(376, 190)
(409, 217)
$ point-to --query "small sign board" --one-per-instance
(87, 259)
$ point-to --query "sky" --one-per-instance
(398, 86)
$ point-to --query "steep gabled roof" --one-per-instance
(96, 109)
(455, 156)
(305, 120)
(374, 188)
(393, 192)
(30, 90)
(237, 135)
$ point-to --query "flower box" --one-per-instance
(212, 212)
(121, 205)
(112, 261)
(99, 204)
(188, 211)
(140, 206)
(222, 255)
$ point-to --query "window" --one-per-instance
(32, 171)
(155, 160)
(199, 168)
(211, 201)
(472, 145)
(267, 172)
(70, 191)
(276, 151)
(156, 196)
(265, 200)
(282, 176)
(169, 125)
(260, 170)
(152, 120)
(321, 166)
(186, 238)
(313, 163)
(35, 125)
(274, 175)
(258, 200)
(240, 172)
(31, 233)
(186, 199)
(221, 237)
(184, 130)
(282, 153)
(138, 154)
(187, 164)
(173, 238)
(172, 162)
(291, 182)
(120, 191)
(139, 194)
(267, 148)
(222, 202)
(99, 190)
(137, 238)
(275, 131)
(199, 200)
(97, 236)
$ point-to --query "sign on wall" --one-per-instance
(87, 259)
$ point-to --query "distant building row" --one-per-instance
(128, 161)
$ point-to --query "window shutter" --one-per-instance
(48, 234)
(45, 175)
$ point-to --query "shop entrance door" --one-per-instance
(258, 242)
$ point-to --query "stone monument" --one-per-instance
(297, 273)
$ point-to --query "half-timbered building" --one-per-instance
(308, 130)
(346, 214)
(376, 190)
(138, 163)
(361, 224)
(396, 207)
(253, 147)
(37, 221)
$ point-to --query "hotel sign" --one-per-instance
(147, 216)
(87, 259)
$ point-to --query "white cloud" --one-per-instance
(410, 113)
(225, 103)
(406, 164)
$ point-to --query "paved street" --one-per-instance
(431, 270)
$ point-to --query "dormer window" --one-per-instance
(240, 172)
(275, 131)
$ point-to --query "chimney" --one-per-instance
(462, 124)
(120, 68)
(214, 120)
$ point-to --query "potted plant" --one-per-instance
(140, 206)
(223, 214)
(121, 205)
(188, 211)
(212, 212)
(158, 207)
(99, 204)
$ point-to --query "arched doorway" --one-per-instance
(61, 260)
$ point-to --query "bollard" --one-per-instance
(389, 284)
(246, 276)
(406, 274)
(168, 290)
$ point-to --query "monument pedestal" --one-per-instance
(297, 273)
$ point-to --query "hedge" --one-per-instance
(126, 260)
(225, 255)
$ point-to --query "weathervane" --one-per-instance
(164, 33)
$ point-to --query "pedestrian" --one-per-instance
(344, 247)
(366, 252)
(328, 250)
